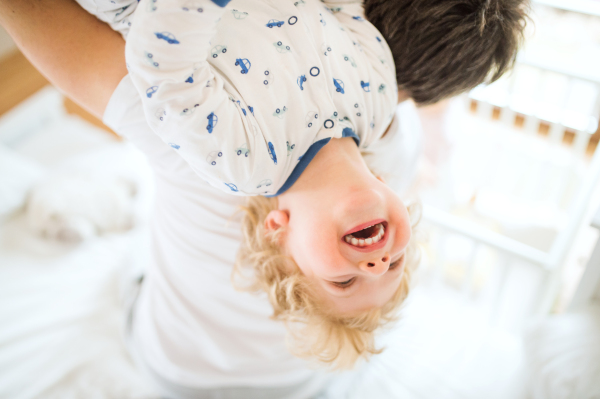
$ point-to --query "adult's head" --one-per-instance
(442, 48)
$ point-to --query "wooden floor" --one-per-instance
(19, 80)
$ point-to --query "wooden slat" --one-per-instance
(18, 80)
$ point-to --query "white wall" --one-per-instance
(6, 44)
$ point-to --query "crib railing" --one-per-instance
(493, 268)
(561, 109)
(588, 291)
(564, 106)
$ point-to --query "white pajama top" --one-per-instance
(247, 92)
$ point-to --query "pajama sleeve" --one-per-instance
(117, 13)
(184, 99)
(351, 15)
(371, 45)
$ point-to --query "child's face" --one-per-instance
(324, 232)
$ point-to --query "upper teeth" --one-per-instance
(360, 242)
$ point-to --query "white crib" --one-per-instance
(530, 156)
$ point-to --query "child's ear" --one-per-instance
(275, 220)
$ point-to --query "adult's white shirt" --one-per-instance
(191, 327)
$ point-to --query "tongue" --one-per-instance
(365, 233)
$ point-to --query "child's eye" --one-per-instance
(344, 284)
(396, 263)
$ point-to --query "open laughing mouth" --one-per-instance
(369, 236)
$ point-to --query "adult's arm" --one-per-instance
(82, 56)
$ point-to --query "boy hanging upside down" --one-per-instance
(278, 99)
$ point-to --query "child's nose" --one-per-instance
(376, 265)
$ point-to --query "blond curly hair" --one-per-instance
(313, 331)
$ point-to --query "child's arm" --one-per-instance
(184, 98)
(351, 16)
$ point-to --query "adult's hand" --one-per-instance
(82, 56)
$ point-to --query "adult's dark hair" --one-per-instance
(444, 47)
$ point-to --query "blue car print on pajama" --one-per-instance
(310, 118)
(239, 14)
(350, 60)
(151, 7)
(272, 153)
(160, 113)
(300, 81)
(279, 46)
(264, 183)
(357, 110)
(149, 59)
(232, 186)
(280, 112)
(192, 6)
(289, 147)
(212, 157)
(272, 23)
(243, 150)
(244, 64)
(151, 91)
(212, 122)
(187, 111)
(166, 36)
(339, 85)
(218, 49)
(268, 78)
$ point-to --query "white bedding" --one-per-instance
(60, 319)
(60, 307)
(60, 311)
